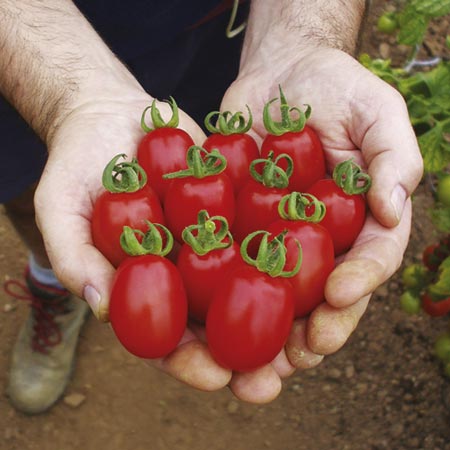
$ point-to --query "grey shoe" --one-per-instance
(44, 353)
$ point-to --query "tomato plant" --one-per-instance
(148, 305)
(345, 203)
(163, 148)
(316, 245)
(207, 256)
(251, 314)
(128, 200)
(257, 202)
(230, 137)
(296, 139)
(203, 185)
(423, 82)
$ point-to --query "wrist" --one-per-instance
(282, 30)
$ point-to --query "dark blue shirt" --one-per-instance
(135, 27)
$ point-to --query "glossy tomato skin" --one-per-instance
(317, 261)
(202, 274)
(306, 151)
(239, 151)
(345, 214)
(249, 319)
(162, 151)
(148, 306)
(114, 210)
(185, 197)
(435, 309)
(256, 207)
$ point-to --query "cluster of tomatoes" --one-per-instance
(236, 237)
(426, 283)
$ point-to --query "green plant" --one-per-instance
(424, 82)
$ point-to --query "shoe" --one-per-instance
(44, 353)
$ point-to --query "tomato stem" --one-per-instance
(272, 175)
(350, 178)
(135, 242)
(208, 237)
(228, 123)
(201, 164)
(304, 207)
(124, 176)
(271, 257)
(157, 120)
(287, 123)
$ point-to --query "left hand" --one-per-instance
(355, 115)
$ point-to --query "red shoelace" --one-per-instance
(46, 330)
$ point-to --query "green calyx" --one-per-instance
(350, 178)
(297, 206)
(272, 175)
(228, 123)
(288, 123)
(123, 177)
(271, 257)
(157, 120)
(152, 242)
(205, 236)
(201, 164)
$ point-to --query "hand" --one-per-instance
(356, 115)
(85, 141)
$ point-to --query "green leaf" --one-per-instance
(440, 216)
(442, 285)
(431, 8)
(413, 27)
(431, 146)
(437, 79)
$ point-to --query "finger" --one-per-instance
(282, 365)
(77, 264)
(375, 256)
(192, 364)
(259, 386)
(329, 328)
(392, 154)
(297, 349)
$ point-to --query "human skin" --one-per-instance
(86, 106)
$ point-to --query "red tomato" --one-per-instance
(435, 309)
(306, 151)
(239, 150)
(249, 319)
(202, 274)
(163, 149)
(256, 207)
(317, 261)
(185, 197)
(148, 306)
(345, 214)
(114, 210)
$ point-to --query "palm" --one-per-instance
(355, 115)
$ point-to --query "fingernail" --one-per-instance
(398, 199)
(93, 298)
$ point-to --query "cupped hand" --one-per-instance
(355, 115)
(85, 141)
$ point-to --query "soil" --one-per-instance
(383, 390)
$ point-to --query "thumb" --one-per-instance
(394, 161)
(78, 265)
